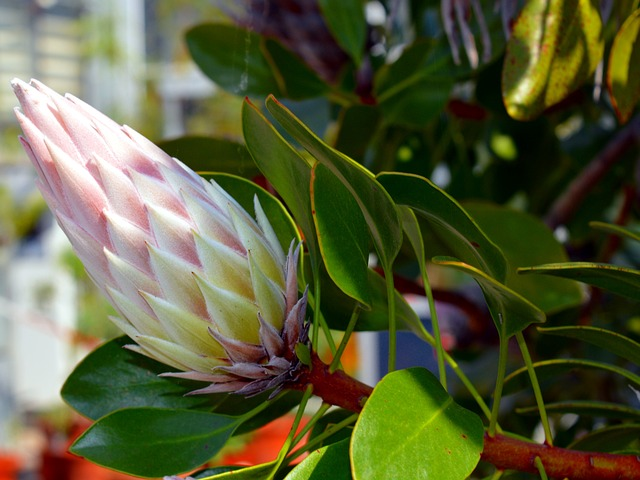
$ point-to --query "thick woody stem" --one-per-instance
(505, 453)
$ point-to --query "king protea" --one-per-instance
(197, 282)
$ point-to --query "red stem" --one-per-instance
(505, 453)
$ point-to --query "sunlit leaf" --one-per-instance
(112, 377)
(331, 462)
(342, 232)
(207, 154)
(152, 442)
(448, 220)
(519, 379)
(232, 58)
(554, 48)
(608, 340)
(390, 441)
(376, 205)
(510, 311)
(621, 280)
(285, 169)
(346, 20)
(623, 73)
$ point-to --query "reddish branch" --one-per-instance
(505, 453)
(566, 205)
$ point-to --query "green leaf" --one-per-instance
(447, 220)
(586, 408)
(338, 308)
(347, 23)
(357, 126)
(554, 48)
(206, 155)
(331, 462)
(263, 471)
(210, 472)
(112, 377)
(298, 81)
(244, 191)
(285, 169)
(329, 419)
(616, 230)
(525, 240)
(417, 105)
(232, 58)
(343, 238)
(390, 441)
(610, 439)
(623, 73)
(152, 442)
(510, 311)
(620, 280)
(608, 340)
(376, 205)
(519, 379)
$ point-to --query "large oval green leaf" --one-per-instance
(554, 48)
(620, 280)
(608, 340)
(232, 58)
(152, 442)
(342, 232)
(623, 73)
(456, 230)
(330, 462)
(525, 240)
(377, 207)
(411, 428)
(112, 377)
(207, 155)
(511, 312)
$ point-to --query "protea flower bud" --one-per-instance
(198, 283)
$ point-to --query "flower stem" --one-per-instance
(335, 364)
(497, 394)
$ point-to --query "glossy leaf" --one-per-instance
(331, 462)
(285, 169)
(207, 155)
(623, 73)
(519, 379)
(254, 472)
(620, 280)
(610, 439)
(244, 191)
(616, 230)
(297, 80)
(554, 48)
(525, 240)
(443, 441)
(376, 205)
(608, 340)
(232, 58)
(346, 21)
(112, 377)
(210, 472)
(510, 311)
(586, 408)
(460, 234)
(152, 442)
(342, 232)
(331, 418)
